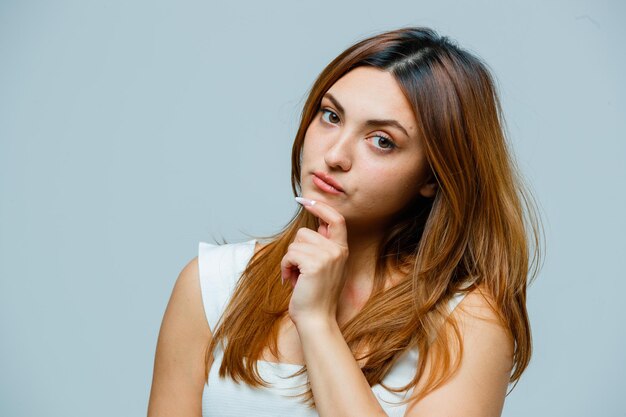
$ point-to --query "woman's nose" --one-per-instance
(340, 153)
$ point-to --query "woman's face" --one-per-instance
(380, 167)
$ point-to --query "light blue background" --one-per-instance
(131, 130)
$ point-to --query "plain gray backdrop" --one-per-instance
(132, 130)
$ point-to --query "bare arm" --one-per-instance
(178, 377)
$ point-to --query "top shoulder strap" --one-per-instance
(219, 268)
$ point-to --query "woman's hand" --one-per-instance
(314, 265)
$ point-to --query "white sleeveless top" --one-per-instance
(220, 266)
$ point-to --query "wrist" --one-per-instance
(314, 322)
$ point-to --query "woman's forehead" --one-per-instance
(369, 93)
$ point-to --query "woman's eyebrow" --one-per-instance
(371, 122)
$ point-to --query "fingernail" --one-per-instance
(305, 201)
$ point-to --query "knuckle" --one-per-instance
(340, 253)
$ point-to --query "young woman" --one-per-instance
(399, 287)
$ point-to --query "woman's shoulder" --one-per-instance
(487, 357)
(219, 266)
(241, 246)
(479, 311)
(210, 255)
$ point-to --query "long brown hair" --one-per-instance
(473, 234)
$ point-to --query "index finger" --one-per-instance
(335, 222)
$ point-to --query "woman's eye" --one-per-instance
(324, 111)
(387, 144)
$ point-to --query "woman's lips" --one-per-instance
(325, 186)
